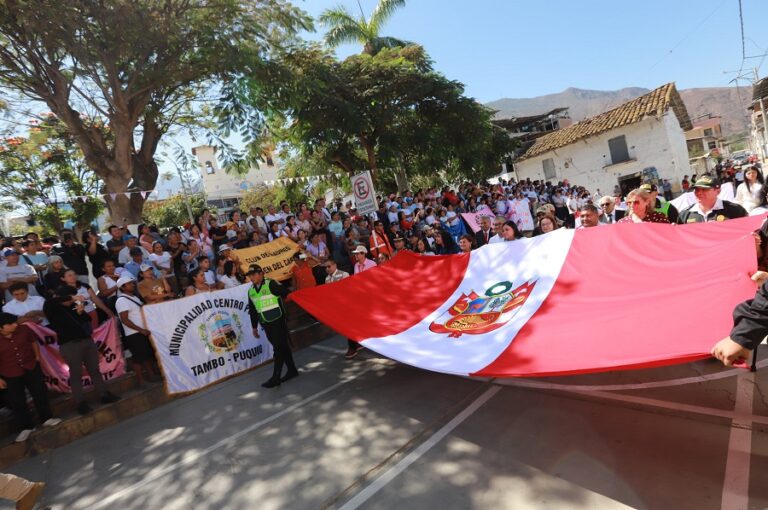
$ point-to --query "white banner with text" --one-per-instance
(206, 337)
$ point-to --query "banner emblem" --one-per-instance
(473, 314)
(221, 332)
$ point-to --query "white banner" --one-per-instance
(203, 338)
(365, 196)
(686, 200)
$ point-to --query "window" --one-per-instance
(618, 148)
(209, 168)
(269, 161)
(712, 145)
(549, 168)
(708, 132)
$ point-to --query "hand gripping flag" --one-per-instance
(614, 297)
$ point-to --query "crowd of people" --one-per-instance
(48, 280)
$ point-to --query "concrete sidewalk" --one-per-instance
(372, 433)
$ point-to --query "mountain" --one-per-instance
(718, 101)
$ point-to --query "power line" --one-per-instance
(743, 43)
(688, 35)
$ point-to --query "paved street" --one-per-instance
(375, 434)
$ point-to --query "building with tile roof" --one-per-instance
(640, 140)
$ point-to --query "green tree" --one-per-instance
(138, 66)
(388, 110)
(45, 168)
(345, 27)
(172, 212)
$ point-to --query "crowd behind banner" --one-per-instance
(45, 281)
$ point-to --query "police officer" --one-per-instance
(661, 206)
(708, 207)
(265, 306)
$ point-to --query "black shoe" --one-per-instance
(83, 408)
(290, 375)
(273, 382)
(109, 398)
(352, 351)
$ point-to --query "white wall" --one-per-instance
(651, 142)
(220, 184)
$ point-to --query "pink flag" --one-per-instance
(56, 371)
(572, 301)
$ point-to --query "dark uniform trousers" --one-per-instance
(277, 334)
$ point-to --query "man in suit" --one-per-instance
(485, 233)
(610, 213)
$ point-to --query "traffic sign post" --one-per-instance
(365, 196)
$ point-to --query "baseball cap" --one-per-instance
(706, 182)
(144, 267)
(126, 278)
(649, 187)
(360, 249)
(9, 252)
(399, 238)
(254, 268)
(224, 247)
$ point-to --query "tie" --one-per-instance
(610, 218)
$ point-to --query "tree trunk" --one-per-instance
(371, 153)
(401, 179)
(123, 209)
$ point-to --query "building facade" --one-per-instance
(759, 122)
(641, 140)
(706, 137)
(224, 189)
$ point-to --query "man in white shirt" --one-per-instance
(257, 213)
(27, 308)
(273, 216)
(125, 254)
(13, 272)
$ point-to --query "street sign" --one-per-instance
(365, 196)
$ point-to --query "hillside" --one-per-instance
(719, 101)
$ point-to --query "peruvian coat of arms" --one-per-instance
(473, 314)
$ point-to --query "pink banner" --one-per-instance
(473, 219)
(56, 371)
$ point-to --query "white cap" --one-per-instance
(360, 249)
(125, 279)
(144, 267)
(224, 247)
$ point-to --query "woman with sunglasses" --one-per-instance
(641, 209)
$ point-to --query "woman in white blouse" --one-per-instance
(748, 192)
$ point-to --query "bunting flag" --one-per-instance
(113, 196)
(615, 297)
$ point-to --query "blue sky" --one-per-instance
(515, 48)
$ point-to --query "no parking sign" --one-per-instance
(365, 196)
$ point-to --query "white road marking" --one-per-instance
(230, 440)
(618, 387)
(389, 475)
(736, 481)
(324, 348)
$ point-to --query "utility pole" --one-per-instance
(765, 121)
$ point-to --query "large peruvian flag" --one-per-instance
(572, 301)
